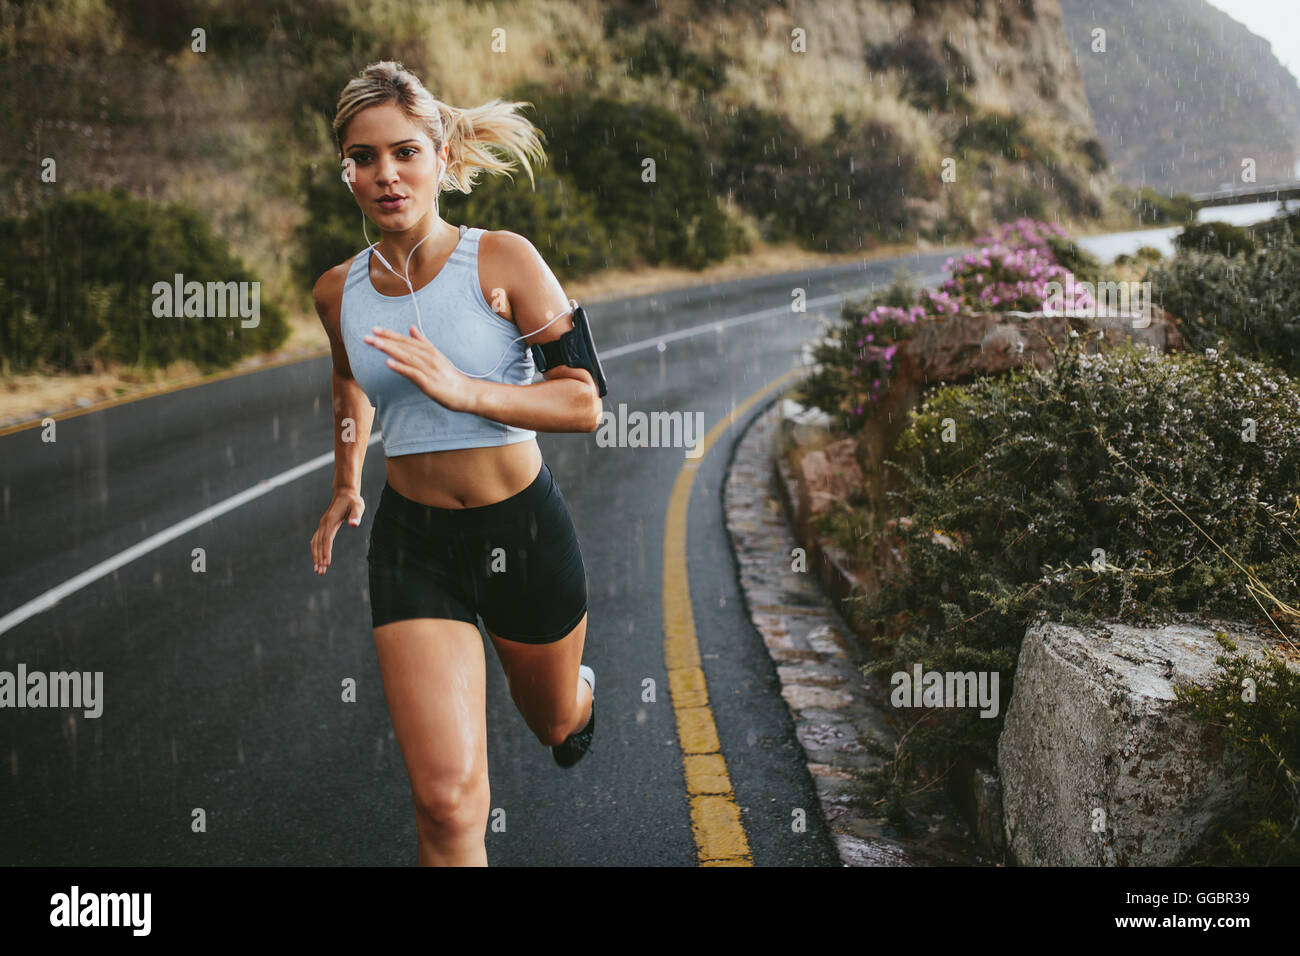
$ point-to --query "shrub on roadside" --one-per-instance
(1264, 828)
(77, 280)
(1279, 229)
(1251, 301)
(1221, 237)
(1078, 491)
(848, 190)
(1145, 255)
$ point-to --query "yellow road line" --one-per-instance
(715, 817)
(165, 390)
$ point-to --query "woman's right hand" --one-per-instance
(345, 506)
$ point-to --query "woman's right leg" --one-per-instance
(433, 673)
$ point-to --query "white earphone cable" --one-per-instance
(406, 276)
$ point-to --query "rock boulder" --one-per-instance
(1097, 768)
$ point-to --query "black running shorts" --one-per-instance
(516, 563)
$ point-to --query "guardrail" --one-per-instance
(1277, 192)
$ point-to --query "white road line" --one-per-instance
(53, 596)
(715, 326)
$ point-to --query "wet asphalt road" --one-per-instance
(222, 690)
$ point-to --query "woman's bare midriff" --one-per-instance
(465, 477)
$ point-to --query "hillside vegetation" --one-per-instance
(828, 127)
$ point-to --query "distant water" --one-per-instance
(1107, 247)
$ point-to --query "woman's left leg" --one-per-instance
(530, 585)
(544, 683)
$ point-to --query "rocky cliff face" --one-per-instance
(989, 87)
(1182, 94)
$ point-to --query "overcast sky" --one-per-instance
(1277, 21)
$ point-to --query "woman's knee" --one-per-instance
(451, 802)
(554, 734)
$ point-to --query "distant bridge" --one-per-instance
(1278, 192)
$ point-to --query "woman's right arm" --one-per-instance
(353, 417)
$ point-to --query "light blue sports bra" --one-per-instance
(460, 322)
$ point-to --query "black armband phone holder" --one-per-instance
(575, 348)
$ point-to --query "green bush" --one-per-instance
(560, 219)
(657, 52)
(758, 164)
(603, 144)
(77, 280)
(839, 194)
(1095, 154)
(1282, 228)
(1075, 194)
(928, 82)
(1020, 200)
(332, 231)
(853, 186)
(1251, 301)
(995, 133)
(1221, 237)
(1141, 456)
(1152, 208)
(1264, 828)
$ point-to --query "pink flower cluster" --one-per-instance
(873, 361)
(1024, 234)
(1010, 272)
(1010, 278)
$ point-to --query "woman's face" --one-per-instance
(394, 158)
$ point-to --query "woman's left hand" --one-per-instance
(419, 360)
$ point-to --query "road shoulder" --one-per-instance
(837, 714)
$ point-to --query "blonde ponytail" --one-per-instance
(474, 136)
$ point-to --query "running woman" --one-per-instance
(470, 521)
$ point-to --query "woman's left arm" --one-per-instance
(567, 401)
